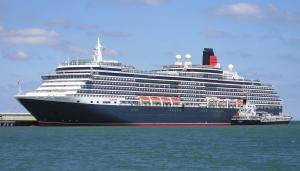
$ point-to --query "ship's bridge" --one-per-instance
(88, 64)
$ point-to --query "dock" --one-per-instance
(17, 119)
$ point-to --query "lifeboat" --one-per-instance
(144, 98)
(165, 99)
(175, 100)
(155, 99)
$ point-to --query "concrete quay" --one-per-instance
(17, 119)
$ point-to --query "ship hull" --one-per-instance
(257, 122)
(68, 113)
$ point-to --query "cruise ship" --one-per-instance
(106, 92)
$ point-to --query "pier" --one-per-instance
(17, 119)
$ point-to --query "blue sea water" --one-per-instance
(271, 147)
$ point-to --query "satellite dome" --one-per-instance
(178, 56)
(188, 56)
(230, 67)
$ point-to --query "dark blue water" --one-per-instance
(274, 147)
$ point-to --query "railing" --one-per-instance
(190, 66)
(90, 62)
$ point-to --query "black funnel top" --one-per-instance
(207, 52)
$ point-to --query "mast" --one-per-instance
(98, 51)
(19, 87)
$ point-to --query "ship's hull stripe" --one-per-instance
(132, 124)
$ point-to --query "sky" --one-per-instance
(260, 38)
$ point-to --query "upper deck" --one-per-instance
(210, 70)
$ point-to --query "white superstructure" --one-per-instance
(100, 81)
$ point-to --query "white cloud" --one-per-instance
(49, 38)
(76, 49)
(27, 40)
(19, 55)
(254, 12)
(31, 36)
(241, 10)
(35, 32)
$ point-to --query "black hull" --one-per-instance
(65, 113)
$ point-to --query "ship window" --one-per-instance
(78, 101)
(91, 101)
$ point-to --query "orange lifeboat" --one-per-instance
(175, 99)
(155, 98)
(144, 98)
(165, 99)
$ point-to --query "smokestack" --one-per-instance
(209, 57)
(207, 52)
